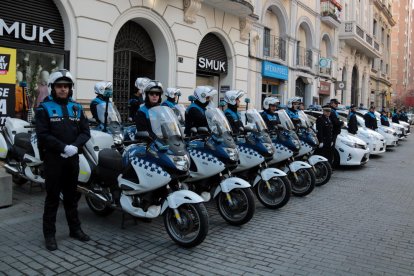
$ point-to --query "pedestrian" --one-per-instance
(232, 99)
(269, 114)
(396, 116)
(371, 119)
(335, 120)
(61, 130)
(352, 120)
(103, 91)
(136, 99)
(384, 118)
(324, 128)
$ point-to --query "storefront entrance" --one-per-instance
(134, 57)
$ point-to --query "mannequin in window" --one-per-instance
(20, 104)
(42, 92)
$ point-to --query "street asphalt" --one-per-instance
(360, 223)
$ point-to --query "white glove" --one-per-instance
(64, 155)
(71, 150)
(331, 144)
(320, 145)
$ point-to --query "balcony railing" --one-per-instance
(358, 38)
(304, 57)
(368, 38)
(325, 71)
(274, 47)
(329, 9)
(376, 45)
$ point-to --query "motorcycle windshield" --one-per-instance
(285, 121)
(164, 123)
(113, 114)
(254, 118)
(304, 120)
(179, 111)
(217, 121)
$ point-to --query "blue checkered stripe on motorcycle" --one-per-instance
(248, 151)
(280, 147)
(204, 156)
(148, 166)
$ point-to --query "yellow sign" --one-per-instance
(7, 65)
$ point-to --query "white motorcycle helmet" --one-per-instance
(153, 86)
(231, 96)
(141, 83)
(202, 92)
(172, 92)
(270, 101)
(293, 100)
(103, 88)
(60, 76)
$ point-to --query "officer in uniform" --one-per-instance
(269, 114)
(292, 110)
(324, 133)
(195, 114)
(232, 98)
(352, 120)
(384, 118)
(136, 99)
(396, 116)
(172, 95)
(371, 119)
(103, 91)
(62, 130)
(336, 122)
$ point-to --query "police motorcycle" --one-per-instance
(271, 185)
(287, 145)
(146, 180)
(308, 143)
(213, 156)
(18, 147)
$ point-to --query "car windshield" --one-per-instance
(113, 114)
(254, 118)
(164, 122)
(304, 119)
(217, 121)
(285, 121)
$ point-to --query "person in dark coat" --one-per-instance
(62, 129)
(403, 116)
(371, 119)
(336, 122)
(324, 128)
(352, 120)
(384, 118)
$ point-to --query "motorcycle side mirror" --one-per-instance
(202, 130)
(247, 100)
(193, 130)
(241, 129)
(222, 103)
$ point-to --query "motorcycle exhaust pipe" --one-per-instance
(11, 169)
(89, 193)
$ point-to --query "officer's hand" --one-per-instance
(71, 150)
(64, 155)
(320, 145)
(331, 144)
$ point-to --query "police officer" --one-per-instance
(292, 110)
(62, 130)
(384, 118)
(172, 95)
(103, 91)
(336, 122)
(232, 98)
(269, 114)
(403, 115)
(195, 113)
(396, 116)
(352, 120)
(136, 99)
(371, 119)
(153, 91)
(325, 136)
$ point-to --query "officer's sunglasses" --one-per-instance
(62, 85)
(153, 93)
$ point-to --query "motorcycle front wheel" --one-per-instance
(274, 194)
(304, 183)
(238, 207)
(323, 173)
(191, 229)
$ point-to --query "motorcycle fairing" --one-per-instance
(297, 165)
(316, 159)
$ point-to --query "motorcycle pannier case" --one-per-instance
(109, 166)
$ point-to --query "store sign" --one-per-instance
(325, 88)
(18, 30)
(214, 65)
(7, 83)
(276, 71)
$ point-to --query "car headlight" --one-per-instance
(269, 147)
(232, 153)
(182, 162)
(350, 144)
(118, 138)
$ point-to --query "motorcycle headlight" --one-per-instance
(232, 153)
(269, 147)
(118, 138)
(296, 143)
(182, 163)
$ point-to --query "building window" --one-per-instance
(266, 42)
(374, 28)
(382, 35)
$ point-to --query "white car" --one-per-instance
(350, 150)
(399, 129)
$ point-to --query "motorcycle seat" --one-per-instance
(22, 140)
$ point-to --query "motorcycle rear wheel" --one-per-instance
(305, 183)
(277, 196)
(99, 208)
(323, 173)
(194, 226)
(242, 209)
(18, 180)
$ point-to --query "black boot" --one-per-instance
(51, 244)
(79, 235)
